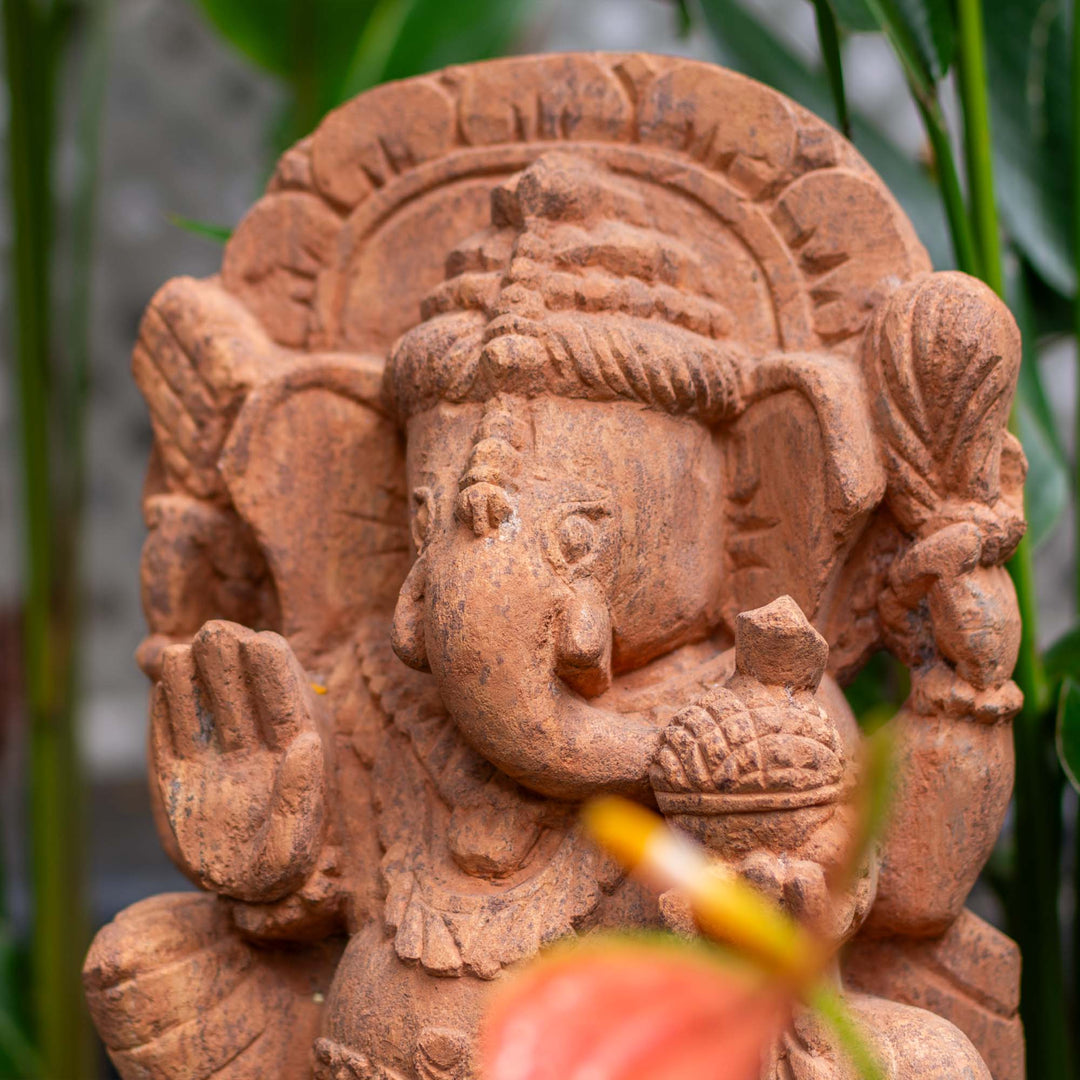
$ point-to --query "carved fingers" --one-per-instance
(973, 625)
(797, 885)
(947, 553)
(197, 352)
(239, 762)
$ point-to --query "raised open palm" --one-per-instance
(238, 761)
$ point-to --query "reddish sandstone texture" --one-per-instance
(562, 425)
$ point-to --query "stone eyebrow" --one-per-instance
(576, 355)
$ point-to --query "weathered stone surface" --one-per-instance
(614, 396)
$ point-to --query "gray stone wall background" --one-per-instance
(185, 132)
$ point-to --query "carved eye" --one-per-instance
(576, 537)
(579, 537)
(421, 517)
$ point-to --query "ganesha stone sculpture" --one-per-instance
(557, 426)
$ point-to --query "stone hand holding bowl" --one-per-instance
(757, 772)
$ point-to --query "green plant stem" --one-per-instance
(830, 1005)
(308, 109)
(1034, 909)
(72, 396)
(829, 38)
(1075, 122)
(375, 45)
(14, 1047)
(948, 177)
(1075, 1003)
(978, 148)
(32, 43)
(1033, 904)
(925, 93)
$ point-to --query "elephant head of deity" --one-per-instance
(587, 439)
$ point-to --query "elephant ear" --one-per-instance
(316, 468)
(804, 476)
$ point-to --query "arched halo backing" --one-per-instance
(360, 216)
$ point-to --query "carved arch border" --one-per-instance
(758, 162)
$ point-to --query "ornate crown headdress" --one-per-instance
(573, 291)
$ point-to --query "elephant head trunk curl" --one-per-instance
(514, 650)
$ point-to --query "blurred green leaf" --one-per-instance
(913, 59)
(329, 50)
(293, 39)
(218, 233)
(1052, 311)
(831, 1006)
(878, 690)
(747, 46)
(930, 23)
(1046, 492)
(17, 1057)
(1067, 732)
(307, 43)
(684, 21)
(1062, 659)
(409, 37)
(375, 46)
(255, 29)
(1024, 295)
(18, 1060)
(924, 27)
(854, 14)
(1027, 56)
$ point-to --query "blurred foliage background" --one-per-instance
(990, 181)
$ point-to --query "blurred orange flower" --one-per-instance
(633, 1009)
(663, 1008)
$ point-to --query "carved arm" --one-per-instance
(942, 357)
(241, 768)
